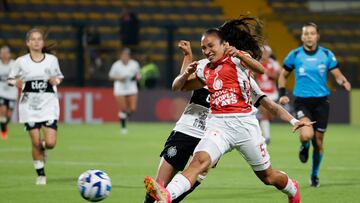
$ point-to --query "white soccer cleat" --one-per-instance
(124, 131)
(40, 180)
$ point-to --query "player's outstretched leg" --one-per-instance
(282, 182)
(156, 190)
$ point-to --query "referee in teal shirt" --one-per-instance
(311, 64)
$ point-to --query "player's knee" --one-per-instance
(306, 136)
(50, 145)
(36, 145)
(200, 163)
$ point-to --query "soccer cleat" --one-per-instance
(314, 181)
(4, 135)
(296, 198)
(156, 190)
(40, 180)
(303, 154)
(124, 131)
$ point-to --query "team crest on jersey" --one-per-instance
(172, 151)
(218, 83)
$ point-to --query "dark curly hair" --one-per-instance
(244, 33)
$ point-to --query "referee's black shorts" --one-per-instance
(315, 108)
(178, 148)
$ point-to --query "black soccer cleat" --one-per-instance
(303, 154)
(314, 181)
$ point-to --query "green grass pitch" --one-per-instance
(127, 159)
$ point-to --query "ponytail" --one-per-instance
(244, 33)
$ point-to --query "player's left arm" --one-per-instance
(282, 113)
(245, 58)
(56, 76)
(341, 79)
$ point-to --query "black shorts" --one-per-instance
(316, 109)
(49, 124)
(9, 103)
(178, 148)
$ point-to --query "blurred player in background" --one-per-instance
(267, 83)
(232, 123)
(187, 133)
(8, 94)
(311, 63)
(125, 73)
(38, 74)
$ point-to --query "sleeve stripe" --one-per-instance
(288, 68)
(336, 66)
(257, 103)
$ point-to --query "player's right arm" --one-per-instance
(284, 99)
(188, 80)
(289, 65)
(14, 77)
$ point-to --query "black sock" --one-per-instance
(3, 127)
(123, 123)
(181, 197)
(40, 171)
(149, 199)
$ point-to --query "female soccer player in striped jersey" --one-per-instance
(232, 123)
(37, 74)
(8, 94)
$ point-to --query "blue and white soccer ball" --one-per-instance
(94, 185)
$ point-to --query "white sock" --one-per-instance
(265, 126)
(38, 164)
(178, 185)
(290, 188)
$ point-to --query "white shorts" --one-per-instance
(242, 133)
(125, 89)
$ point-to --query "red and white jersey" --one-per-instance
(267, 84)
(228, 81)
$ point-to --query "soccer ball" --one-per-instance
(94, 185)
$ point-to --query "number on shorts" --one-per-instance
(262, 150)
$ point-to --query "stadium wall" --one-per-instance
(97, 105)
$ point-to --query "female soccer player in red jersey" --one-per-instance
(232, 123)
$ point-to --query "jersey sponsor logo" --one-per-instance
(171, 152)
(224, 97)
(39, 85)
(311, 59)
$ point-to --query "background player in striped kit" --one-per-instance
(186, 134)
(267, 83)
(37, 74)
(8, 94)
(125, 72)
(311, 64)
